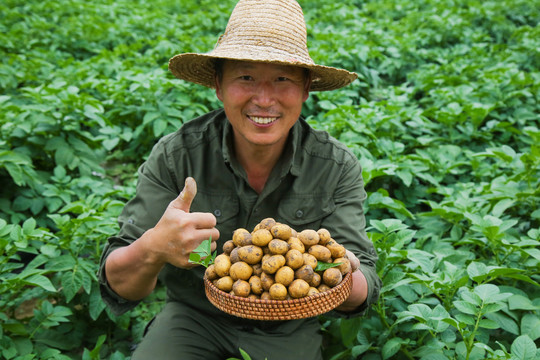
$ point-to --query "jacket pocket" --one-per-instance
(305, 211)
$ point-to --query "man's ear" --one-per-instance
(219, 94)
(307, 85)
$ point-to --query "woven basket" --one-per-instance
(259, 309)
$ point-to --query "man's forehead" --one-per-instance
(251, 65)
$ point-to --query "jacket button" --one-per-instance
(299, 213)
(217, 213)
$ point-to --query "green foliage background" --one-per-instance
(444, 119)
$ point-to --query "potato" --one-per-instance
(278, 291)
(324, 236)
(222, 264)
(316, 280)
(312, 291)
(224, 283)
(241, 288)
(210, 272)
(256, 285)
(273, 263)
(257, 269)
(345, 266)
(295, 243)
(234, 255)
(285, 275)
(228, 247)
(278, 247)
(323, 288)
(321, 253)
(308, 237)
(309, 260)
(281, 231)
(294, 259)
(332, 277)
(267, 223)
(261, 237)
(241, 237)
(267, 280)
(266, 296)
(336, 249)
(305, 273)
(251, 254)
(298, 289)
(240, 270)
(253, 296)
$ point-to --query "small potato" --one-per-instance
(294, 233)
(321, 253)
(240, 270)
(267, 223)
(285, 275)
(257, 269)
(337, 250)
(273, 263)
(253, 296)
(224, 283)
(278, 247)
(222, 264)
(281, 231)
(256, 285)
(250, 254)
(295, 243)
(278, 291)
(261, 237)
(316, 280)
(241, 237)
(323, 288)
(294, 259)
(312, 291)
(234, 255)
(310, 260)
(298, 289)
(308, 237)
(332, 277)
(305, 273)
(266, 296)
(345, 266)
(241, 288)
(228, 247)
(211, 273)
(267, 281)
(324, 236)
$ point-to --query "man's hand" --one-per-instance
(355, 263)
(180, 231)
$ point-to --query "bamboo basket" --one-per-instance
(259, 309)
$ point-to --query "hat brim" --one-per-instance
(199, 69)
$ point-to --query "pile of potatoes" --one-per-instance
(276, 262)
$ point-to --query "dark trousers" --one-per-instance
(181, 332)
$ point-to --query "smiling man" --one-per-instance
(255, 158)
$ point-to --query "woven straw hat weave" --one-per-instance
(270, 31)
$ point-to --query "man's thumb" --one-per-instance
(183, 201)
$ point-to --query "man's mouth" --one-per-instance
(263, 120)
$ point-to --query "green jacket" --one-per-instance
(317, 183)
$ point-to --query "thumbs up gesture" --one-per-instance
(180, 231)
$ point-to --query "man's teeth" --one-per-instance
(263, 120)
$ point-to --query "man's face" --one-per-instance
(262, 101)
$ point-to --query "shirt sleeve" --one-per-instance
(347, 224)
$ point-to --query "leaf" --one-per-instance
(41, 281)
(202, 254)
(523, 348)
(530, 325)
(391, 347)
(321, 266)
(465, 307)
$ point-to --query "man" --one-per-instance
(231, 168)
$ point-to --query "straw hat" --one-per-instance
(270, 31)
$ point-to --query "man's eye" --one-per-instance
(245, 77)
(282, 78)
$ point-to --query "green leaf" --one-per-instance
(465, 307)
(41, 281)
(523, 348)
(321, 266)
(391, 347)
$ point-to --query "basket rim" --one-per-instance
(343, 288)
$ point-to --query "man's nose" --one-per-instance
(264, 95)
